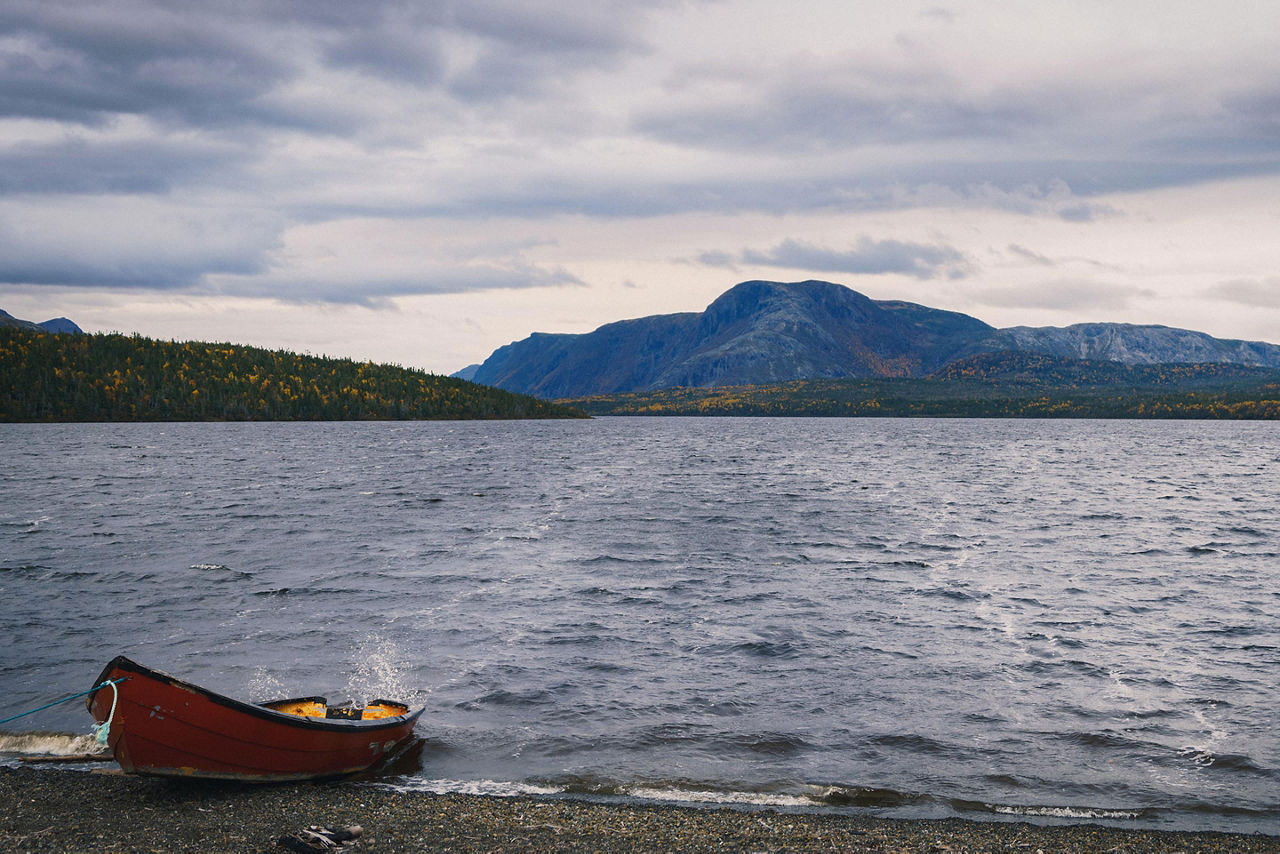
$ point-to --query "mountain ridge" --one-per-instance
(761, 332)
(58, 325)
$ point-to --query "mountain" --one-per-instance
(61, 326)
(1138, 345)
(58, 324)
(757, 332)
(761, 332)
(1024, 371)
(7, 319)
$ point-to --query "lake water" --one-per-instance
(1040, 620)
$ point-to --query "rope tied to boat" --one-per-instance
(60, 701)
(102, 730)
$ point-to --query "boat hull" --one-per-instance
(164, 726)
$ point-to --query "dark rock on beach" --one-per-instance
(55, 810)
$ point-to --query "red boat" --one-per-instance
(157, 724)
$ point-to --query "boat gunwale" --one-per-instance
(333, 725)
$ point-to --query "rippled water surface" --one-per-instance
(1054, 619)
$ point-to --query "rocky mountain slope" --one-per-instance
(757, 332)
(769, 332)
(1137, 345)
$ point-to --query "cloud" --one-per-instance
(150, 244)
(168, 145)
(1086, 212)
(1063, 295)
(1030, 256)
(1130, 120)
(390, 48)
(218, 65)
(131, 243)
(526, 46)
(716, 258)
(127, 167)
(373, 287)
(83, 62)
(810, 116)
(365, 261)
(867, 257)
(1256, 293)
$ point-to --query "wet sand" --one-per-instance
(73, 811)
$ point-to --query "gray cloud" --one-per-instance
(1086, 212)
(157, 271)
(240, 254)
(806, 117)
(224, 108)
(391, 45)
(1056, 189)
(145, 246)
(1256, 293)
(867, 257)
(116, 167)
(212, 65)
(84, 62)
(716, 258)
(375, 289)
(307, 111)
(1099, 133)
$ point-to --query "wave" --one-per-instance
(490, 788)
(671, 794)
(952, 593)
(790, 797)
(664, 791)
(915, 744)
(48, 744)
(1047, 811)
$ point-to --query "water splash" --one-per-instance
(377, 672)
(678, 795)
(48, 744)
(491, 788)
(1065, 812)
(265, 685)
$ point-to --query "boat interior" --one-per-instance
(318, 707)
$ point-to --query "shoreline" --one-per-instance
(64, 810)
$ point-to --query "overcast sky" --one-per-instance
(422, 182)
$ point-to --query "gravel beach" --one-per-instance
(58, 810)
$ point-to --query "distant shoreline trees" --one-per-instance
(993, 385)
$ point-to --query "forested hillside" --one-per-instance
(990, 385)
(47, 377)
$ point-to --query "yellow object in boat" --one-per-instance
(318, 707)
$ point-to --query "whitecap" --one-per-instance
(492, 788)
(703, 796)
(48, 744)
(1065, 812)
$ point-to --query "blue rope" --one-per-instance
(64, 699)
